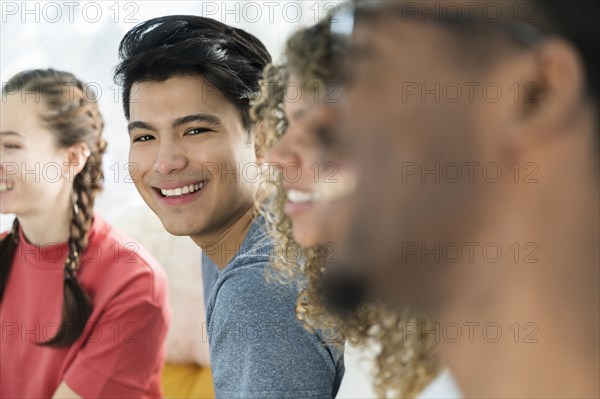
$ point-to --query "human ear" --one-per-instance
(552, 98)
(75, 158)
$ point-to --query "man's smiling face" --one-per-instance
(389, 133)
(188, 150)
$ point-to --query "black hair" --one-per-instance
(230, 59)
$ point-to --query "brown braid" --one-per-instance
(73, 115)
(7, 252)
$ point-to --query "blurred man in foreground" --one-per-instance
(476, 129)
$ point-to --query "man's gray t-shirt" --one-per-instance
(258, 348)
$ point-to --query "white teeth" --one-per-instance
(299, 197)
(346, 185)
(176, 192)
(4, 186)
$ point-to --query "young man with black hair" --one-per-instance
(187, 84)
(482, 208)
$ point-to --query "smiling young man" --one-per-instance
(187, 84)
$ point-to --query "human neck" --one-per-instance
(554, 302)
(49, 225)
(222, 245)
(538, 354)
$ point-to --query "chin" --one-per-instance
(304, 236)
(175, 225)
(178, 229)
(8, 210)
(6, 206)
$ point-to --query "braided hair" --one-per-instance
(72, 115)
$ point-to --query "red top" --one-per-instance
(122, 350)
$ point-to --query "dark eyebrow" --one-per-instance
(140, 125)
(9, 133)
(206, 118)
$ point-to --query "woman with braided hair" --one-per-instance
(82, 307)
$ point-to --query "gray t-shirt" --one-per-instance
(258, 348)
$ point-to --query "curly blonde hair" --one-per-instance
(405, 362)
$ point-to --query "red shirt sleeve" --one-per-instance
(125, 347)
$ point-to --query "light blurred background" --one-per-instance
(83, 38)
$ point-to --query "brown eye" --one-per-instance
(141, 139)
(197, 131)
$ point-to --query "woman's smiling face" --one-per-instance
(311, 177)
(31, 163)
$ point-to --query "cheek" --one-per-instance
(307, 228)
(41, 177)
(220, 165)
(140, 161)
(310, 167)
(241, 159)
(304, 231)
(133, 168)
(334, 219)
(243, 151)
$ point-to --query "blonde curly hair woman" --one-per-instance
(295, 115)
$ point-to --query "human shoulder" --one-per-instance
(245, 294)
(122, 263)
